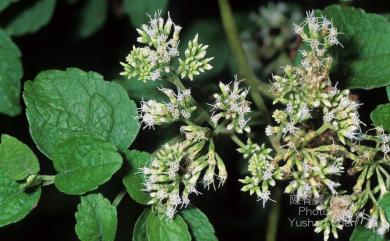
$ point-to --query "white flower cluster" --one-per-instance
(231, 105)
(317, 27)
(156, 113)
(314, 175)
(383, 140)
(377, 221)
(307, 89)
(262, 171)
(176, 170)
(157, 58)
(151, 61)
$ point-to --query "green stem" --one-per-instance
(239, 55)
(237, 140)
(368, 188)
(119, 198)
(381, 183)
(244, 67)
(311, 135)
(219, 129)
(386, 175)
(47, 179)
(273, 218)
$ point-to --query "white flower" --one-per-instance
(328, 117)
(385, 149)
(264, 196)
(174, 199)
(161, 194)
(332, 186)
(383, 228)
(385, 138)
(304, 112)
(267, 175)
(289, 128)
(170, 212)
(289, 108)
(372, 223)
(269, 131)
(298, 29)
(312, 21)
(380, 129)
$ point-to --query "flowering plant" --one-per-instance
(184, 141)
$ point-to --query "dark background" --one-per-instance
(235, 215)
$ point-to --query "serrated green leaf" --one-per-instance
(92, 17)
(32, 19)
(210, 31)
(363, 234)
(364, 60)
(134, 180)
(138, 9)
(17, 160)
(160, 228)
(139, 232)
(198, 224)
(84, 163)
(71, 103)
(96, 219)
(11, 72)
(381, 116)
(15, 203)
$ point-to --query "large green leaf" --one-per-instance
(134, 180)
(363, 234)
(64, 104)
(160, 228)
(96, 219)
(83, 163)
(15, 203)
(92, 17)
(139, 232)
(138, 9)
(381, 116)
(32, 19)
(364, 60)
(10, 74)
(17, 160)
(199, 225)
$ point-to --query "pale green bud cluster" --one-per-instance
(231, 105)
(176, 170)
(156, 113)
(263, 171)
(195, 61)
(160, 55)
